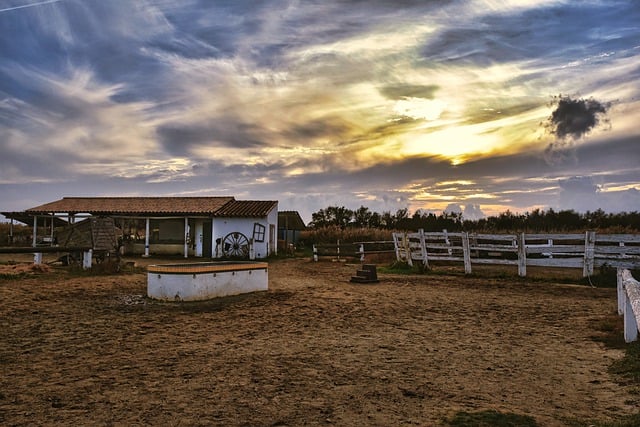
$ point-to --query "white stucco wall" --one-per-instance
(195, 287)
(223, 226)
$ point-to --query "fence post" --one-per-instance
(522, 256)
(631, 306)
(407, 248)
(361, 252)
(315, 252)
(630, 325)
(621, 291)
(446, 240)
(466, 253)
(423, 249)
(396, 246)
(589, 249)
(338, 250)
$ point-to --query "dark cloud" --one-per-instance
(575, 118)
(571, 120)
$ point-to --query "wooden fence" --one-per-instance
(357, 251)
(586, 251)
(629, 304)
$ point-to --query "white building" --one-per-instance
(209, 227)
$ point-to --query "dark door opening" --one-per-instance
(206, 239)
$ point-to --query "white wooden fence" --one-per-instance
(629, 304)
(586, 251)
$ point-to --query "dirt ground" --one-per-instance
(314, 349)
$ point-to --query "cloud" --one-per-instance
(575, 118)
(570, 121)
(416, 104)
(582, 193)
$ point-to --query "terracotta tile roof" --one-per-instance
(247, 208)
(134, 205)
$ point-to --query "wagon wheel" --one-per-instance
(235, 244)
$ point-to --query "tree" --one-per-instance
(362, 217)
(333, 215)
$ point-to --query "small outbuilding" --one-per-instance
(290, 224)
(209, 227)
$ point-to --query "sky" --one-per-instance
(432, 105)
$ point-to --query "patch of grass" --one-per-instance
(626, 371)
(628, 368)
(402, 268)
(489, 418)
(610, 331)
(606, 277)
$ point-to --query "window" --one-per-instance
(258, 232)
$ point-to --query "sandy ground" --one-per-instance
(313, 350)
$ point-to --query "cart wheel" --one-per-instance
(235, 244)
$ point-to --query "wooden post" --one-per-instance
(35, 231)
(589, 250)
(315, 253)
(446, 240)
(630, 325)
(466, 253)
(361, 252)
(621, 292)
(423, 249)
(186, 237)
(37, 256)
(522, 256)
(146, 239)
(631, 306)
(338, 250)
(407, 249)
(87, 259)
(396, 246)
(51, 237)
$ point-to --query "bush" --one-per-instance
(332, 234)
(21, 234)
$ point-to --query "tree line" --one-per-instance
(538, 220)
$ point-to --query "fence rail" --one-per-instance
(357, 250)
(586, 251)
(629, 304)
(570, 250)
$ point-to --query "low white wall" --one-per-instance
(202, 286)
